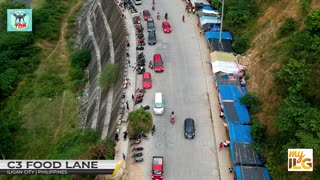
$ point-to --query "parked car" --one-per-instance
(152, 39)
(146, 14)
(150, 25)
(189, 128)
(166, 27)
(146, 80)
(136, 18)
(158, 63)
(157, 168)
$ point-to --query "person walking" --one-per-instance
(183, 18)
(125, 134)
(220, 146)
(230, 170)
(124, 157)
(132, 97)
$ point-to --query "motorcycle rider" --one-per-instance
(150, 65)
(158, 16)
(172, 117)
(153, 129)
(166, 16)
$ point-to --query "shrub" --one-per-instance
(140, 120)
(288, 27)
(108, 75)
(49, 85)
(313, 22)
(252, 101)
(76, 73)
(242, 43)
(80, 58)
(257, 131)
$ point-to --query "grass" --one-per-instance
(37, 3)
(47, 120)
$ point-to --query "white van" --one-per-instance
(137, 2)
(158, 106)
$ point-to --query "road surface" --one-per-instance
(183, 84)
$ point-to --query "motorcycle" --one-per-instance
(139, 95)
(136, 138)
(135, 142)
(137, 101)
(143, 135)
(141, 63)
(141, 90)
(140, 41)
(166, 16)
(145, 107)
(140, 54)
(138, 159)
(141, 35)
(158, 17)
(137, 155)
(153, 7)
(140, 70)
(140, 48)
(141, 44)
(137, 149)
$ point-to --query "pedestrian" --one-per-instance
(221, 114)
(125, 134)
(198, 24)
(123, 156)
(230, 170)
(187, 7)
(220, 146)
(183, 18)
(132, 97)
(200, 32)
(225, 144)
(116, 137)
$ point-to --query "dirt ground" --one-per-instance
(260, 61)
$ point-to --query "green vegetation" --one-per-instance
(108, 75)
(238, 17)
(288, 27)
(139, 120)
(257, 132)
(297, 120)
(252, 101)
(38, 110)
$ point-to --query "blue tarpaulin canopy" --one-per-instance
(216, 35)
(244, 154)
(251, 173)
(239, 133)
(207, 7)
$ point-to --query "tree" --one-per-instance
(139, 120)
(252, 101)
(288, 27)
(81, 58)
(313, 22)
(293, 75)
(258, 132)
(242, 43)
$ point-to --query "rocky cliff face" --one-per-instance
(101, 29)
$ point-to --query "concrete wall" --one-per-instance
(101, 30)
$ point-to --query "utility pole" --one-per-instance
(221, 20)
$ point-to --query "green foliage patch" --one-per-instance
(288, 27)
(252, 101)
(109, 75)
(139, 120)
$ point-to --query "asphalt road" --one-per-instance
(184, 88)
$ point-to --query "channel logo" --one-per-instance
(19, 19)
(300, 159)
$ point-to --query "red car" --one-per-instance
(166, 27)
(158, 63)
(157, 168)
(146, 80)
(146, 14)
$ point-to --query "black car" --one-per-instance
(152, 39)
(150, 25)
(189, 128)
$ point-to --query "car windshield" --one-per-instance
(158, 105)
(158, 63)
(147, 80)
(166, 26)
(150, 24)
(157, 172)
(146, 13)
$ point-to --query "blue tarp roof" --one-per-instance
(216, 35)
(251, 173)
(230, 92)
(233, 109)
(244, 154)
(239, 133)
(207, 7)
